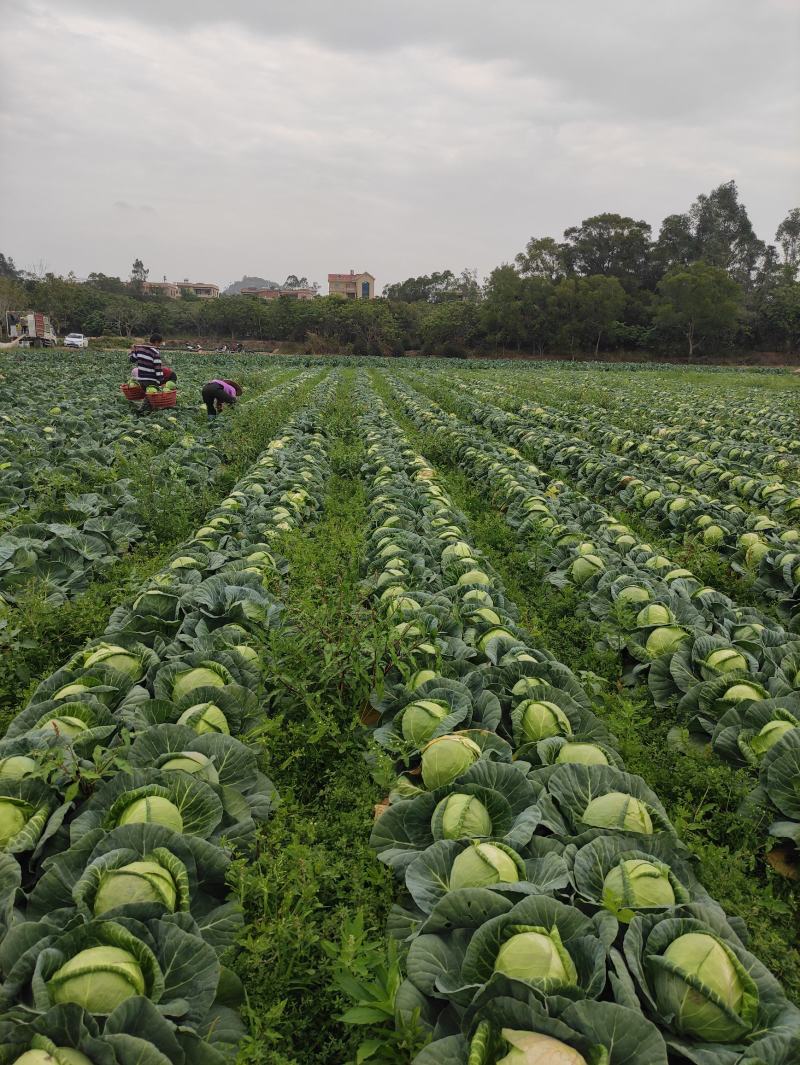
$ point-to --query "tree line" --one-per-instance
(705, 284)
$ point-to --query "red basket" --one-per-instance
(163, 399)
(132, 391)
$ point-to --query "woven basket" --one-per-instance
(132, 392)
(162, 399)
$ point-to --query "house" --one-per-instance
(352, 286)
(202, 289)
(162, 288)
(173, 289)
(276, 293)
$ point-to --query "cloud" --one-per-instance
(279, 138)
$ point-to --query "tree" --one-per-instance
(449, 328)
(601, 301)
(439, 287)
(700, 301)
(781, 313)
(723, 234)
(7, 268)
(676, 245)
(13, 298)
(104, 283)
(609, 244)
(543, 257)
(787, 237)
(139, 275)
(293, 281)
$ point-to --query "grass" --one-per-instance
(314, 868)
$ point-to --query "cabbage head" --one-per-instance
(463, 817)
(637, 884)
(739, 693)
(446, 758)
(763, 740)
(581, 753)
(64, 725)
(16, 766)
(144, 881)
(700, 982)
(619, 811)
(727, 660)
(117, 658)
(483, 864)
(420, 720)
(542, 719)
(665, 640)
(98, 979)
(474, 576)
(585, 567)
(14, 815)
(153, 809)
(58, 1056)
(200, 765)
(205, 718)
(534, 1048)
(633, 593)
(655, 614)
(537, 956)
(198, 677)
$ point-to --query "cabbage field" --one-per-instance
(425, 711)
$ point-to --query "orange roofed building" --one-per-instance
(352, 286)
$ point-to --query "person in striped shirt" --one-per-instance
(147, 368)
(146, 359)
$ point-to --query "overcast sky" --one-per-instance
(214, 138)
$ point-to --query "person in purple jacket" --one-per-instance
(217, 393)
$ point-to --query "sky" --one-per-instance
(217, 138)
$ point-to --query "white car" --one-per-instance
(76, 340)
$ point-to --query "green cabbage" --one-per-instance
(144, 881)
(620, 811)
(463, 816)
(537, 956)
(420, 720)
(582, 753)
(16, 766)
(205, 718)
(14, 815)
(543, 719)
(482, 864)
(446, 758)
(98, 978)
(153, 809)
(702, 985)
(636, 884)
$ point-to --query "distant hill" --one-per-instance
(249, 282)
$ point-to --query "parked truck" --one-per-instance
(34, 330)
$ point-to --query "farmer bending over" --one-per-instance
(218, 392)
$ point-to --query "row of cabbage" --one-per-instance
(548, 910)
(732, 672)
(79, 536)
(700, 434)
(123, 789)
(701, 459)
(673, 450)
(753, 415)
(755, 544)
